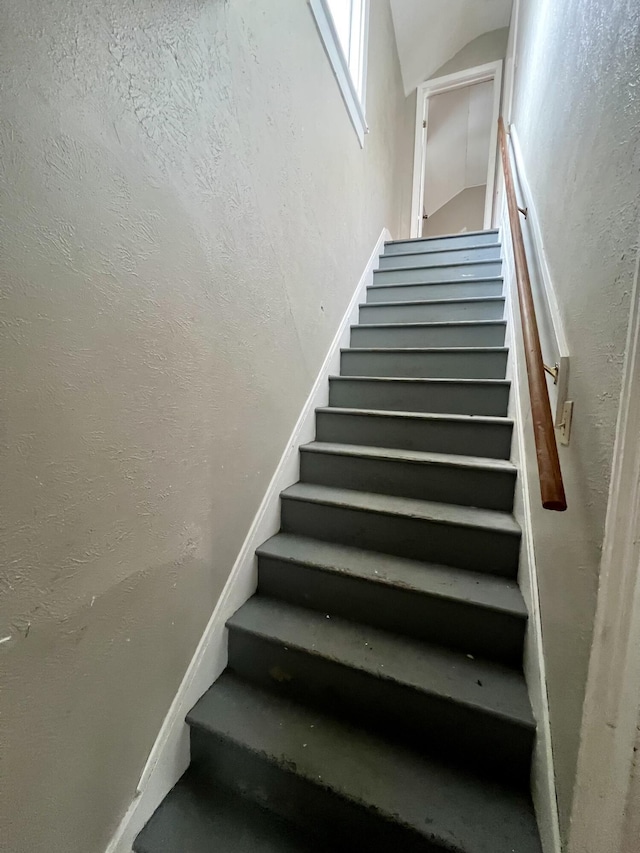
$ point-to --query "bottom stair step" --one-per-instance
(356, 790)
(195, 818)
(466, 710)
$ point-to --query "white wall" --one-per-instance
(457, 151)
(478, 133)
(186, 213)
(489, 47)
(577, 115)
(464, 212)
(446, 149)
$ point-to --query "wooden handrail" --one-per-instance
(551, 487)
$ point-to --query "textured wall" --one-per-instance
(632, 809)
(577, 113)
(186, 211)
(464, 212)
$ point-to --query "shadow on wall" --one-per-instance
(465, 212)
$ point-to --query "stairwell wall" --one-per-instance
(487, 47)
(577, 118)
(464, 212)
(186, 213)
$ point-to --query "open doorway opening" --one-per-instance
(455, 152)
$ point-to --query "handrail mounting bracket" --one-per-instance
(553, 371)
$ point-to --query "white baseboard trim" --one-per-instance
(169, 757)
(542, 774)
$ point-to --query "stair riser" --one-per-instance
(432, 312)
(455, 290)
(432, 365)
(481, 335)
(478, 549)
(335, 819)
(474, 439)
(452, 623)
(496, 747)
(458, 241)
(435, 258)
(442, 483)
(439, 397)
(490, 269)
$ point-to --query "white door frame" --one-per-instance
(491, 71)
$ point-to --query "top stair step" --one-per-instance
(434, 258)
(447, 241)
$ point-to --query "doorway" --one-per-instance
(455, 152)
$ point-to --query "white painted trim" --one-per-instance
(493, 149)
(511, 63)
(531, 227)
(333, 48)
(459, 79)
(365, 64)
(419, 165)
(490, 71)
(542, 772)
(611, 710)
(169, 756)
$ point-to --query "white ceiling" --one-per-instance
(430, 32)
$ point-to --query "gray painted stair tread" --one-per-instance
(488, 591)
(441, 803)
(468, 247)
(478, 684)
(467, 350)
(452, 255)
(463, 516)
(198, 819)
(422, 380)
(449, 281)
(415, 240)
(470, 350)
(437, 244)
(452, 301)
(417, 456)
(427, 323)
(426, 416)
(460, 263)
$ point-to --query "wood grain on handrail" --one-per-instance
(551, 487)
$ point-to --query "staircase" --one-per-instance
(374, 698)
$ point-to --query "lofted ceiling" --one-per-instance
(430, 32)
